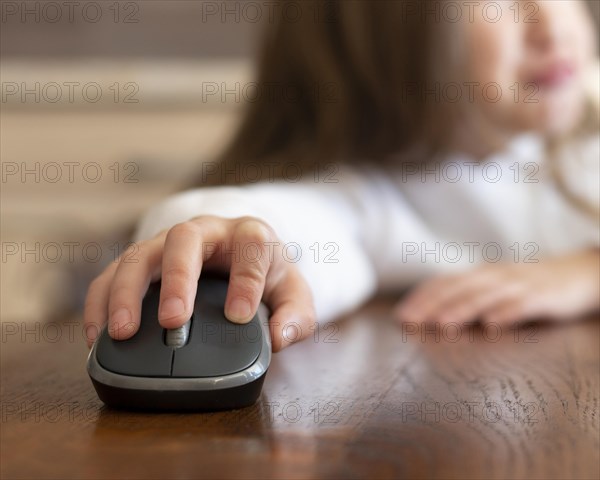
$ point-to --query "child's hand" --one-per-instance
(555, 289)
(246, 247)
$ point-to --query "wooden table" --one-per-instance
(363, 399)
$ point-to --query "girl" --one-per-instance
(444, 145)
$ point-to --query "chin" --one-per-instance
(556, 114)
(560, 120)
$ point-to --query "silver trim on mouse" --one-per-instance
(253, 372)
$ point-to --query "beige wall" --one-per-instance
(143, 151)
(146, 28)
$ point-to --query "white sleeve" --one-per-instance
(582, 173)
(319, 226)
(583, 170)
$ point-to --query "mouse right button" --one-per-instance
(216, 346)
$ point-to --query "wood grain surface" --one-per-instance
(363, 398)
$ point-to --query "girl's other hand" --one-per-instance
(556, 289)
(246, 247)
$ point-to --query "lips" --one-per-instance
(555, 75)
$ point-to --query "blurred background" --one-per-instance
(107, 107)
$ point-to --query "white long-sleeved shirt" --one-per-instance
(360, 231)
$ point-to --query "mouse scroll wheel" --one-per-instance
(178, 337)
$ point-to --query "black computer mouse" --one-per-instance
(208, 364)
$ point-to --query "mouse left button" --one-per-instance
(143, 355)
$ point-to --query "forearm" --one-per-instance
(588, 263)
(315, 235)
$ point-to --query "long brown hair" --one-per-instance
(335, 87)
(330, 81)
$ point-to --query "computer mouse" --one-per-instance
(208, 364)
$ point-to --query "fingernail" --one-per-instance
(171, 307)
(121, 321)
(239, 310)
